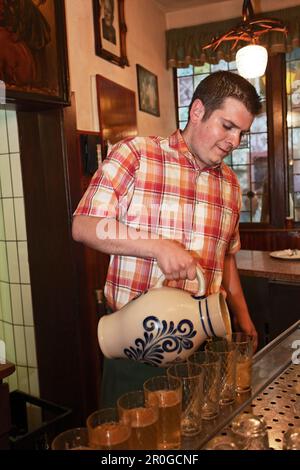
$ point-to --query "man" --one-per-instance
(168, 204)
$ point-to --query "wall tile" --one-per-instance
(20, 218)
(13, 262)
(23, 259)
(5, 302)
(3, 263)
(13, 382)
(3, 133)
(27, 305)
(16, 174)
(5, 177)
(34, 382)
(9, 219)
(30, 346)
(20, 345)
(13, 134)
(2, 232)
(23, 381)
(16, 304)
(9, 343)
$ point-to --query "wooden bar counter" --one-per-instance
(272, 291)
(6, 369)
(261, 264)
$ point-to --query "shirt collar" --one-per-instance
(177, 142)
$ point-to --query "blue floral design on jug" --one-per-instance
(161, 337)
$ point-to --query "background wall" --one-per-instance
(221, 11)
(145, 41)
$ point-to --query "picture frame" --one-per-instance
(110, 31)
(147, 91)
(33, 54)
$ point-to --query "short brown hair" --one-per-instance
(218, 86)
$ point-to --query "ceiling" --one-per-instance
(173, 5)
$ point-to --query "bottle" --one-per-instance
(250, 432)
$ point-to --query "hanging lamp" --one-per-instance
(251, 60)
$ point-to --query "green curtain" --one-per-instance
(185, 45)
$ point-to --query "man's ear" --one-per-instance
(197, 110)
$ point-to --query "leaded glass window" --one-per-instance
(250, 160)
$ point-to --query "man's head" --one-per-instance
(108, 6)
(218, 86)
(222, 109)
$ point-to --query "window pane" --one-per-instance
(185, 71)
(240, 156)
(183, 113)
(202, 69)
(185, 91)
(243, 175)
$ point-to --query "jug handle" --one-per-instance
(200, 278)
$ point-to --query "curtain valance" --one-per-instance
(185, 45)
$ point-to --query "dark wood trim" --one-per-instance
(61, 364)
(277, 144)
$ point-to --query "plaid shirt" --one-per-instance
(155, 184)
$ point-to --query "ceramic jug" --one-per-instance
(164, 324)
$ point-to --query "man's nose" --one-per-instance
(234, 139)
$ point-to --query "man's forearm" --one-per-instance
(233, 288)
(112, 237)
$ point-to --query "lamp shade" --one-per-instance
(251, 61)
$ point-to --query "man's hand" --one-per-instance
(245, 324)
(174, 260)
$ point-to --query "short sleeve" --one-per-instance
(112, 185)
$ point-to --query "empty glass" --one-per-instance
(250, 432)
(291, 439)
(192, 396)
(72, 439)
(226, 351)
(222, 443)
(210, 363)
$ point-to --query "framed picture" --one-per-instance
(33, 53)
(148, 91)
(110, 31)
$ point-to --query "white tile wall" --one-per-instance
(9, 219)
(16, 304)
(16, 315)
(13, 262)
(3, 133)
(5, 178)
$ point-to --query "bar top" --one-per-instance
(261, 264)
(6, 370)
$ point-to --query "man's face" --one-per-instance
(212, 140)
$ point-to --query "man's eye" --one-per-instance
(227, 127)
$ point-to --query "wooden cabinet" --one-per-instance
(273, 305)
(5, 370)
